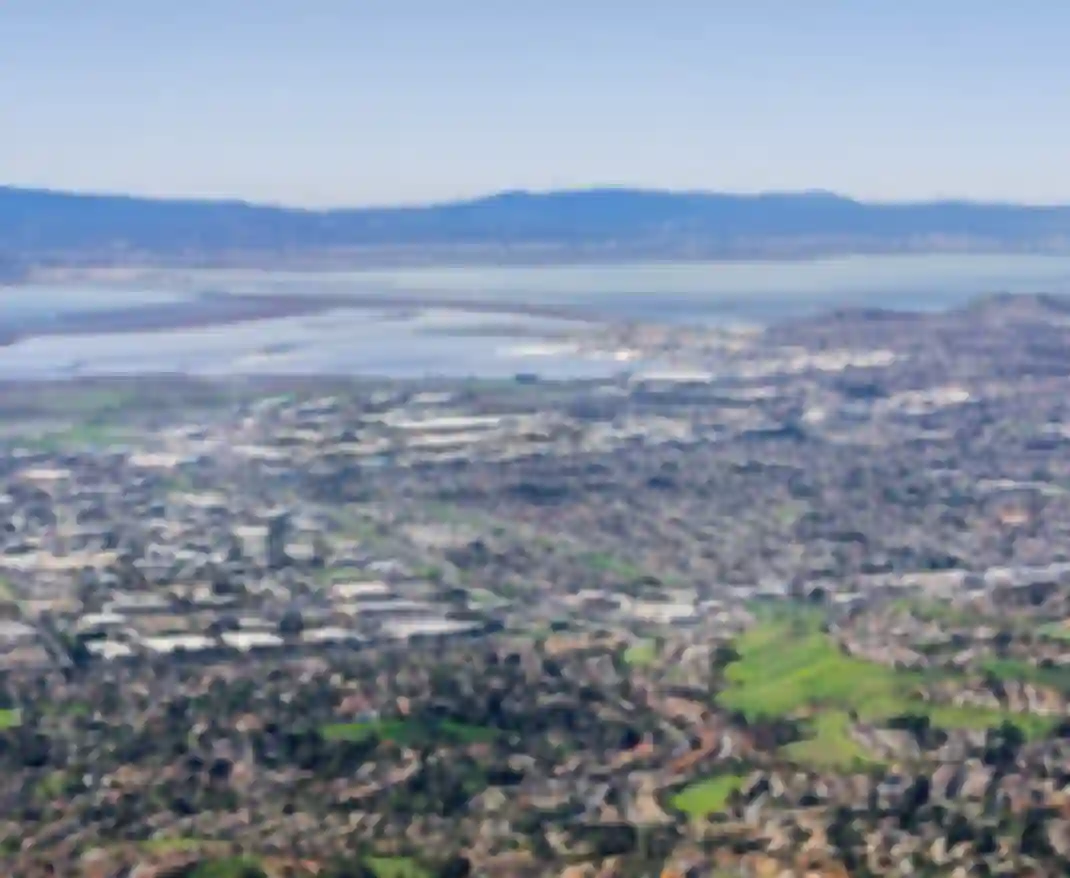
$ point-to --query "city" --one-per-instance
(798, 602)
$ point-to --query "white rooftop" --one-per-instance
(101, 620)
(400, 605)
(245, 640)
(173, 642)
(11, 630)
(447, 422)
(330, 635)
(351, 590)
(109, 649)
(404, 628)
(136, 601)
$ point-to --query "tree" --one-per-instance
(1002, 745)
(457, 866)
(348, 868)
(291, 624)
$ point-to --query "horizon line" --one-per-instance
(591, 189)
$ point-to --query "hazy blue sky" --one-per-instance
(372, 101)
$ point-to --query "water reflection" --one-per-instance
(339, 342)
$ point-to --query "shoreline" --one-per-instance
(226, 309)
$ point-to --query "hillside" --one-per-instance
(45, 227)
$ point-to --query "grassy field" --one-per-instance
(603, 562)
(706, 797)
(238, 867)
(789, 668)
(408, 732)
(10, 718)
(396, 867)
(641, 654)
(949, 716)
(1024, 672)
(830, 744)
(782, 671)
(231, 867)
(1056, 630)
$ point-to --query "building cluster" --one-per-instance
(779, 602)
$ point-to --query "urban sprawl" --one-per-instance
(792, 601)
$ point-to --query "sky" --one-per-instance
(354, 102)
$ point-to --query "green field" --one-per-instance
(1024, 672)
(231, 867)
(408, 732)
(240, 867)
(706, 797)
(788, 668)
(783, 670)
(10, 718)
(396, 867)
(603, 562)
(830, 744)
(1056, 630)
(641, 654)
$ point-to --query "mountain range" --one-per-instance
(43, 227)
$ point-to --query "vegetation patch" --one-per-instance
(788, 668)
(54, 784)
(782, 671)
(408, 732)
(1057, 678)
(603, 562)
(830, 744)
(10, 718)
(230, 867)
(641, 654)
(171, 845)
(1056, 630)
(334, 575)
(396, 867)
(977, 718)
(941, 611)
(705, 797)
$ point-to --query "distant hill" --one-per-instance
(44, 227)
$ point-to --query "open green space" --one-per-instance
(706, 797)
(230, 867)
(396, 867)
(1056, 630)
(53, 784)
(641, 654)
(976, 718)
(1026, 672)
(784, 670)
(171, 845)
(610, 565)
(408, 732)
(247, 866)
(788, 668)
(830, 744)
(10, 718)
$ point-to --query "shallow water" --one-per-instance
(396, 341)
(339, 342)
(702, 290)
